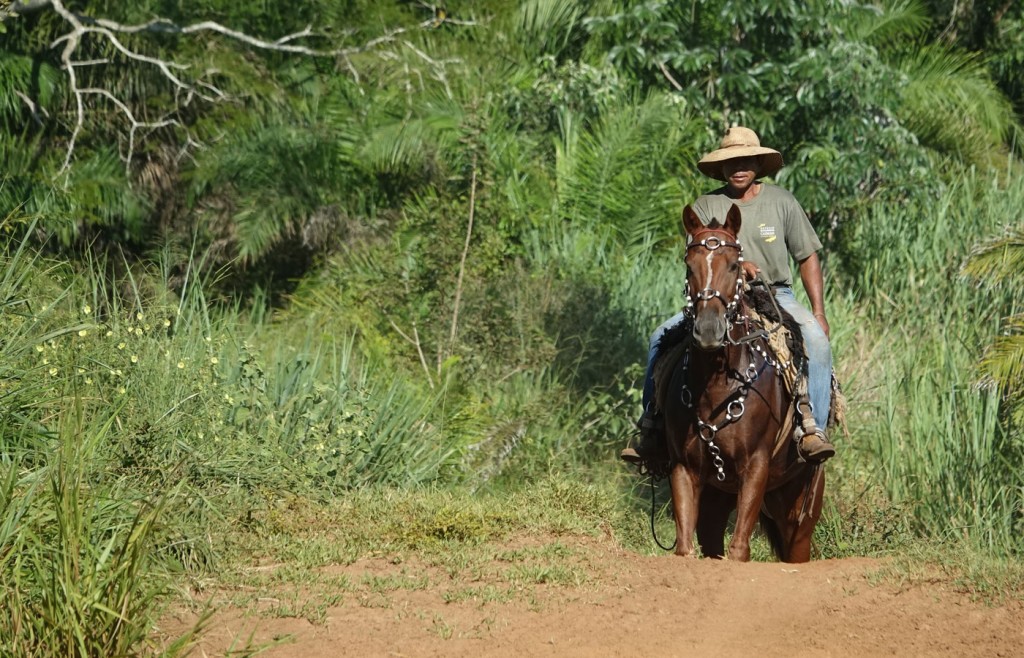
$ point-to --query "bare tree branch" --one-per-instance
(415, 340)
(462, 262)
(190, 87)
(32, 107)
(668, 76)
(135, 123)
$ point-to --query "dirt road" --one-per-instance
(625, 605)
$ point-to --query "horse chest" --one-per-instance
(728, 419)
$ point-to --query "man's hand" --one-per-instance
(823, 321)
(750, 271)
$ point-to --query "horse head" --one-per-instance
(714, 275)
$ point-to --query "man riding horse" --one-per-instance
(775, 228)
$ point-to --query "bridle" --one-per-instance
(712, 243)
(734, 409)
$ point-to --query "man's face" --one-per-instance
(740, 173)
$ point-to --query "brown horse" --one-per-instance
(729, 417)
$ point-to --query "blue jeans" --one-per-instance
(819, 355)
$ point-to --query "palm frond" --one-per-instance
(545, 27)
(885, 23)
(950, 101)
(1004, 360)
(407, 145)
(261, 183)
(20, 78)
(617, 175)
(999, 261)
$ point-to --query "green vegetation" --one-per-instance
(392, 297)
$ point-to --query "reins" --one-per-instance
(762, 333)
(654, 506)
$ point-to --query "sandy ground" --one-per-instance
(632, 605)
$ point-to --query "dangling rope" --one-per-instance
(654, 533)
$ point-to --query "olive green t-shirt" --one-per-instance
(773, 227)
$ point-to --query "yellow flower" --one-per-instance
(81, 371)
(46, 362)
(122, 345)
(181, 365)
(167, 323)
(83, 332)
(138, 331)
(40, 348)
(86, 309)
(109, 333)
(214, 360)
(146, 327)
(139, 316)
(53, 371)
(88, 380)
(135, 358)
(122, 390)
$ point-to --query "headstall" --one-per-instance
(711, 243)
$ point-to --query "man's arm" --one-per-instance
(814, 284)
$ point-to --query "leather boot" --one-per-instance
(815, 447)
(649, 452)
(811, 443)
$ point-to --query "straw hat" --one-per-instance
(740, 142)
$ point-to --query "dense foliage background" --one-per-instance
(430, 247)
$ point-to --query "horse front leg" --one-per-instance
(748, 506)
(685, 501)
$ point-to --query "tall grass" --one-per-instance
(136, 423)
(929, 431)
(77, 556)
(77, 545)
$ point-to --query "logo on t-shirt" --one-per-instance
(767, 232)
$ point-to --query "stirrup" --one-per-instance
(648, 452)
(819, 450)
(630, 455)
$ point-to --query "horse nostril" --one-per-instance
(709, 331)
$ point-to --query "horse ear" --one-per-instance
(733, 220)
(691, 222)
